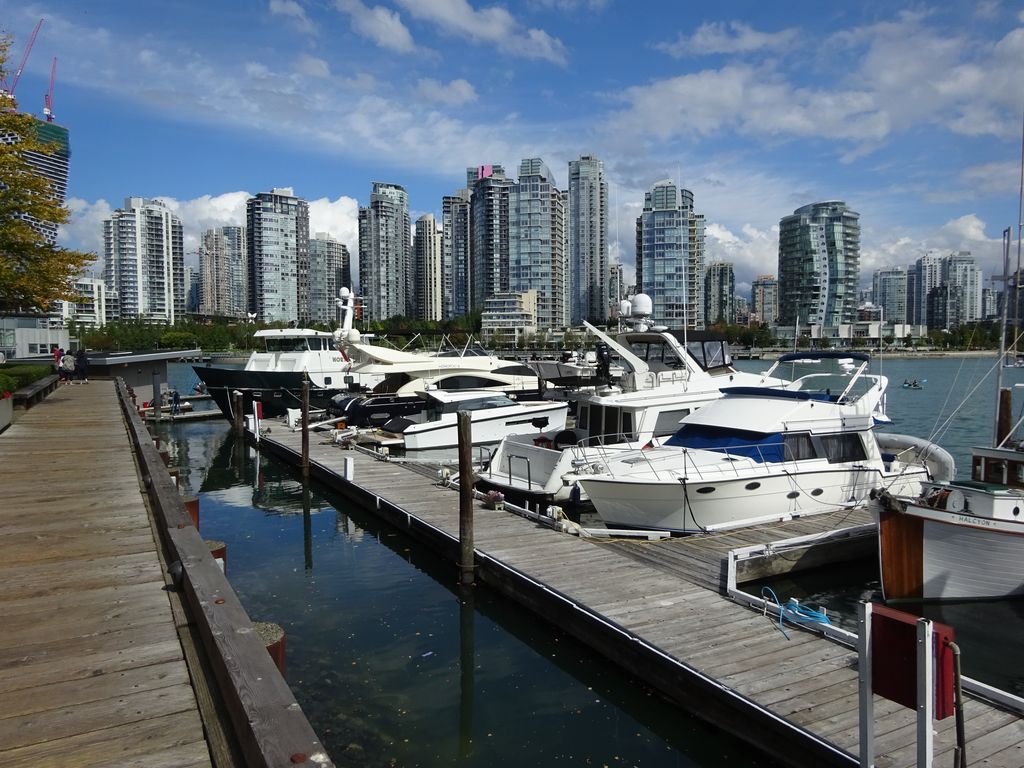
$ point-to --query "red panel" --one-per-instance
(894, 659)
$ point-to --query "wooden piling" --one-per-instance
(238, 412)
(192, 507)
(305, 428)
(273, 638)
(466, 480)
(218, 551)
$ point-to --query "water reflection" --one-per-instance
(393, 662)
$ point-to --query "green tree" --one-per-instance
(33, 273)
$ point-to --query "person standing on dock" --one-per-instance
(82, 366)
(58, 353)
(175, 403)
(67, 367)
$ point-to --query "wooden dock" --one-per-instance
(656, 609)
(91, 668)
(105, 657)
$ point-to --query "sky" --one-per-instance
(911, 113)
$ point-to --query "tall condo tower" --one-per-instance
(144, 261)
(330, 269)
(889, 291)
(960, 269)
(426, 262)
(587, 233)
(488, 228)
(385, 274)
(819, 265)
(222, 272)
(278, 256)
(455, 249)
(764, 300)
(719, 293)
(536, 242)
(670, 256)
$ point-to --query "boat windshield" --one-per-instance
(710, 354)
(296, 343)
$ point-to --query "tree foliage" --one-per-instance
(33, 273)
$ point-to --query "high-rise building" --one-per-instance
(670, 256)
(587, 235)
(819, 265)
(889, 291)
(191, 289)
(455, 249)
(330, 269)
(426, 263)
(90, 308)
(944, 307)
(764, 300)
(53, 167)
(719, 293)
(385, 276)
(536, 242)
(742, 309)
(144, 261)
(488, 228)
(222, 268)
(278, 253)
(616, 289)
(960, 269)
(927, 275)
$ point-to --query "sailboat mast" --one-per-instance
(1002, 327)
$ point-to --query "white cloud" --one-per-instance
(295, 13)
(340, 219)
(312, 66)
(493, 25)
(84, 229)
(734, 37)
(453, 93)
(379, 25)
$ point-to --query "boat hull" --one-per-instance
(699, 506)
(488, 426)
(933, 554)
(277, 391)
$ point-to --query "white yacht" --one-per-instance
(666, 375)
(494, 416)
(765, 453)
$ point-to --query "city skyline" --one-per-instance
(912, 115)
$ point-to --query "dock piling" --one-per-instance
(466, 480)
(238, 412)
(305, 429)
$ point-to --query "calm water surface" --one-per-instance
(391, 665)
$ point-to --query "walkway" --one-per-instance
(91, 667)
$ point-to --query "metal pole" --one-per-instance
(866, 694)
(466, 480)
(925, 693)
(154, 401)
(305, 429)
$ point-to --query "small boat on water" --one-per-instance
(762, 454)
(960, 539)
(494, 416)
(915, 384)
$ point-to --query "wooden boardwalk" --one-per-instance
(795, 698)
(91, 667)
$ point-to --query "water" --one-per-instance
(378, 634)
(989, 632)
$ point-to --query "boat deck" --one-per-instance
(92, 671)
(656, 610)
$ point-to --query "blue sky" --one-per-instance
(909, 112)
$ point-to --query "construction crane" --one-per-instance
(9, 92)
(48, 99)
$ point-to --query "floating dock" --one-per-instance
(105, 658)
(665, 611)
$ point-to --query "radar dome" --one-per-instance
(625, 308)
(642, 304)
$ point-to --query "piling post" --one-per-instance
(238, 412)
(155, 402)
(466, 480)
(305, 429)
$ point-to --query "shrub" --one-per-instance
(25, 373)
(7, 384)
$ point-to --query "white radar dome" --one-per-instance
(625, 308)
(642, 304)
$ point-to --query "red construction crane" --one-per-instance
(24, 58)
(48, 99)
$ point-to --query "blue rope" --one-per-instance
(796, 613)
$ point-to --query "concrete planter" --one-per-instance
(6, 412)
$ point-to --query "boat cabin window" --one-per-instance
(668, 421)
(799, 446)
(296, 344)
(657, 353)
(392, 383)
(435, 409)
(843, 448)
(710, 354)
(515, 370)
(463, 381)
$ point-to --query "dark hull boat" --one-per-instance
(275, 390)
